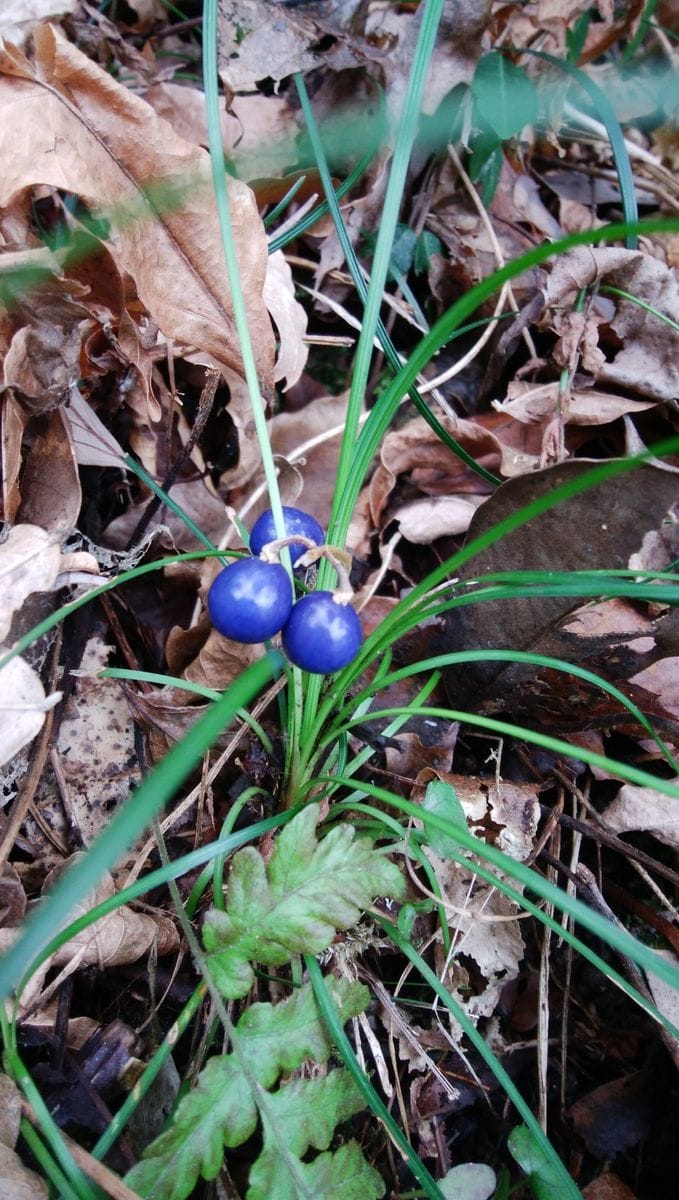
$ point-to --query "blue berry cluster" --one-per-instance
(251, 600)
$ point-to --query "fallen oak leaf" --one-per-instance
(82, 132)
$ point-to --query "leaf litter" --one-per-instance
(107, 221)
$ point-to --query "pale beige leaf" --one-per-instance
(648, 361)
(22, 707)
(485, 928)
(10, 1111)
(666, 996)
(19, 17)
(72, 126)
(29, 562)
(94, 751)
(422, 521)
(528, 403)
(662, 679)
(13, 423)
(122, 936)
(94, 445)
(641, 808)
(289, 318)
(18, 1183)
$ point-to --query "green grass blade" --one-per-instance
(545, 741)
(608, 118)
(353, 265)
(458, 657)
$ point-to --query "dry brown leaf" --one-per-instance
(289, 318)
(530, 403)
(608, 1187)
(597, 529)
(258, 132)
(18, 1182)
(662, 679)
(196, 499)
(484, 927)
(641, 808)
(122, 936)
(10, 1111)
(12, 899)
(83, 132)
(256, 43)
(503, 813)
(95, 752)
(611, 619)
(648, 362)
(51, 495)
(415, 452)
(43, 357)
(423, 521)
(221, 661)
(13, 425)
(291, 435)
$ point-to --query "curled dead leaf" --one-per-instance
(85, 133)
(122, 936)
(646, 324)
(289, 317)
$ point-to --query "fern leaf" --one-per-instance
(306, 1112)
(296, 902)
(344, 1175)
(278, 1038)
(219, 1111)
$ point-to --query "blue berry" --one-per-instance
(295, 521)
(250, 600)
(321, 635)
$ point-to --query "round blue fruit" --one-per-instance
(250, 600)
(295, 521)
(321, 635)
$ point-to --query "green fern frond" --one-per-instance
(295, 903)
(222, 1110)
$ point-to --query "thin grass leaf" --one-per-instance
(533, 882)
(381, 416)
(390, 351)
(606, 113)
(499, 882)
